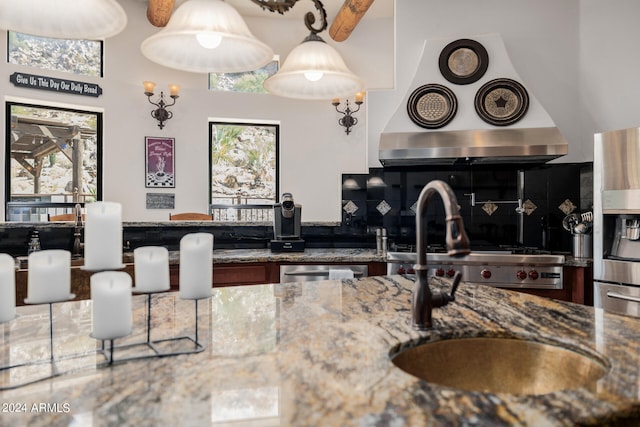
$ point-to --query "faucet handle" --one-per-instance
(457, 277)
(442, 299)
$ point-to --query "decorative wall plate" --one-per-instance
(463, 61)
(502, 102)
(432, 106)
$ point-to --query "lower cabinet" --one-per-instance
(234, 274)
(245, 274)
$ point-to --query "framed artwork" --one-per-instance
(159, 162)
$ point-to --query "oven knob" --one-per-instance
(411, 271)
(486, 274)
(439, 272)
(521, 275)
(451, 272)
(533, 275)
(401, 270)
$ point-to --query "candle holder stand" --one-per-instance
(106, 351)
(54, 371)
(153, 345)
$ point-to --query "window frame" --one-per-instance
(8, 202)
(257, 123)
(100, 42)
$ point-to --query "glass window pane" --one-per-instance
(53, 156)
(243, 160)
(82, 57)
(249, 81)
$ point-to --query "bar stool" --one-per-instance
(190, 216)
(63, 217)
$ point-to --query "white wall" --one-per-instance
(609, 66)
(314, 149)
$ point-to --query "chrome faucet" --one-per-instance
(78, 246)
(457, 245)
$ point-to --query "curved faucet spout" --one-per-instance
(457, 245)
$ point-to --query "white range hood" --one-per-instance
(467, 136)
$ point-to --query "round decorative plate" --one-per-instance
(502, 102)
(432, 106)
(463, 61)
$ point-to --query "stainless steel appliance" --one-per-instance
(313, 273)
(286, 226)
(494, 268)
(616, 197)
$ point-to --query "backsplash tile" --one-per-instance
(493, 221)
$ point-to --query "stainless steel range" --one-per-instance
(494, 268)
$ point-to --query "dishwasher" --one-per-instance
(313, 272)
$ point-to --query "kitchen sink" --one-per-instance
(501, 365)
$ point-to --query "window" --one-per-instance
(82, 57)
(244, 170)
(53, 160)
(249, 81)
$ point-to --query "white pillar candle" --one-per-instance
(151, 268)
(103, 236)
(49, 276)
(7, 288)
(111, 296)
(196, 265)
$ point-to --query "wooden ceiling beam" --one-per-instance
(348, 18)
(159, 12)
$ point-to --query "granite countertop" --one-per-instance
(319, 255)
(323, 255)
(235, 256)
(313, 354)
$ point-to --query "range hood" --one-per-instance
(518, 145)
(467, 137)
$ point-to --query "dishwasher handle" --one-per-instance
(617, 295)
(316, 273)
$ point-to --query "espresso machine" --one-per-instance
(286, 226)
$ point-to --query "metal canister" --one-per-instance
(582, 246)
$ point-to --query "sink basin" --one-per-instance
(501, 365)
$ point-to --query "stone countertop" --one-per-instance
(310, 354)
(235, 256)
(321, 255)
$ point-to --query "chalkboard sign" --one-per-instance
(161, 201)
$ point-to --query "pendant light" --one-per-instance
(207, 36)
(68, 19)
(314, 70)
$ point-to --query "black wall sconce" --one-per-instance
(348, 120)
(161, 114)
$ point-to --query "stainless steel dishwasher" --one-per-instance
(314, 273)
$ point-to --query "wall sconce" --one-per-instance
(348, 120)
(161, 114)
(313, 70)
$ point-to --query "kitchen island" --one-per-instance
(314, 354)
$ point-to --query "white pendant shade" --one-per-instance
(315, 71)
(207, 36)
(68, 19)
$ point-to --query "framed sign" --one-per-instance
(161, 201)
(160, 162)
